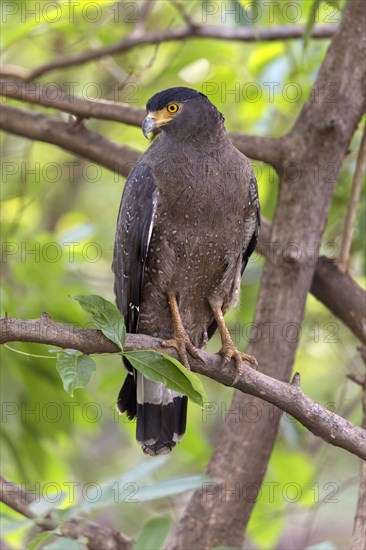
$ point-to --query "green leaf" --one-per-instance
(75, 371)
(160, 367)
(41, 23)
(106, 316)
(153, 534)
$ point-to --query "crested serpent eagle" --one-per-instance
(187, 224)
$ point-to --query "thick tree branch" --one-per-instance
(266, 149)
(337, 291)
(140, 38)
(97, 536)
(288, 397)
(335, 288)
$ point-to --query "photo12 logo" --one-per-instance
(266, 11)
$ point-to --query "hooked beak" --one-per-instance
(149, 125)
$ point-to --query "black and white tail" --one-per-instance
(161, 413)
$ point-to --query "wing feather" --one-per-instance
(133, 233)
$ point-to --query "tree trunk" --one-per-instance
(218, 514)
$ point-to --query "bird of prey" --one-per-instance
(187, 224)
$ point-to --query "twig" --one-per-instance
(182, 11)
(97, 536)
(240, 34)
(144, 12)
(288, 397)
(16, 497)
(352, 205)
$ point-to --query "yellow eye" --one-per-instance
(173, 107)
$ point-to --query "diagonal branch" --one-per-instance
(288, 397)
(74, 138)
(139, 38)
(97, 536)
(335, 289)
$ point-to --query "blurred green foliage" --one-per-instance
(58, 228)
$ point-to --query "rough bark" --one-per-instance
(319, 139)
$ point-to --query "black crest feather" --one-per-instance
(160, 100)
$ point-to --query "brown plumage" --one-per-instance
(187, 225)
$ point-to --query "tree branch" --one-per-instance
(288, 397)
(98, 536)
(241, 34)
(74, 138)
(266, 149)
(52, 96)
(336, 290)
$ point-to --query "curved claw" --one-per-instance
(231, 353)
(182, 344)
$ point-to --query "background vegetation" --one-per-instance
(59, 215)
